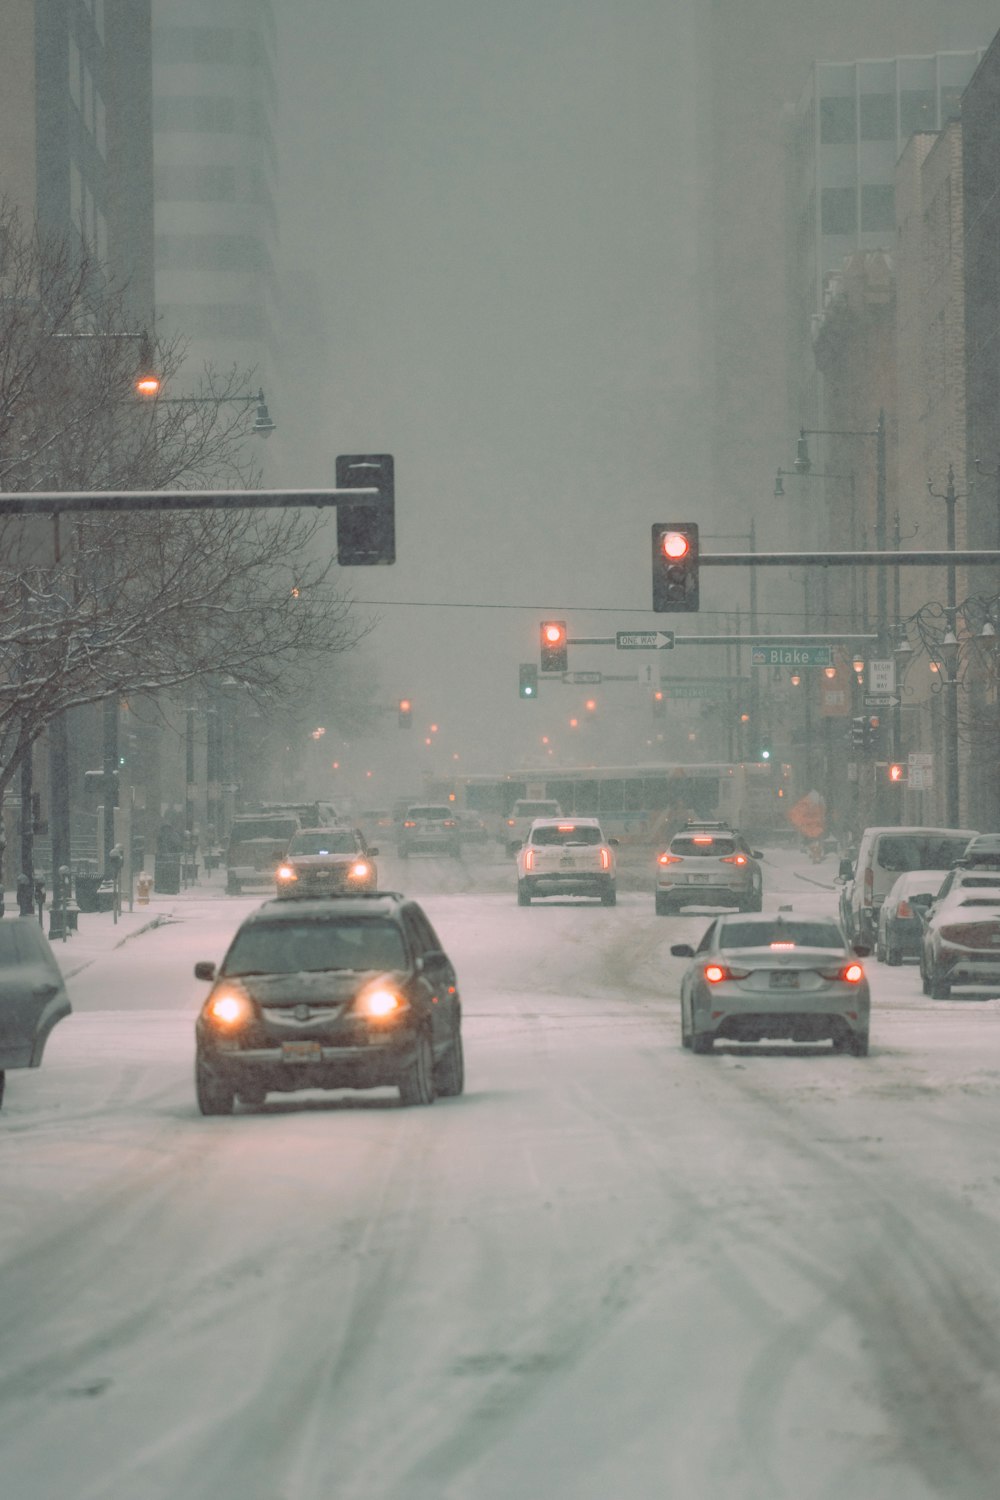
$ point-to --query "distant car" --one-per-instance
(472, 828)
(257, 842)
(900, 924)
(984, 849)
(566, 857)
(961, 938)
(356, 993)
(785, 977)
(430, 828)
(708, 865)
(885, 853)
(327, 862)
(33, 995)
(522, 815)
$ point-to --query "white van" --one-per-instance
(883, 855)
(522, 815)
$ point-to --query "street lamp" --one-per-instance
(803, 465)
(262, 424)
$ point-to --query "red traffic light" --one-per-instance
(675, 544)
(554, 655)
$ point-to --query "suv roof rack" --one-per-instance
(709, 823)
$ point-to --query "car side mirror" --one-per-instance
(682, 950)
(204, 969)
(845, 870)
(860, 950)
(429, 960)
(922, 898)
(613, 843)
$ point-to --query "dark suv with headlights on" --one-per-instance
(327, 862)
(318, 994)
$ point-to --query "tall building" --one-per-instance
(76, 128)
(981, 172)
(216, 164)
(756, 55)
(847, 133)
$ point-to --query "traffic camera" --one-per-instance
(553, 646)
(675, 566)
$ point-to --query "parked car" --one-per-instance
(790, 977)
(883, 855)
(430, 828)
(257, 842)
(900, 918)
(566, 857)
(961, 937)
(327, 862)
(522, 815)
(708, 864)
(356, 993)
(984, 849)
(33, 995)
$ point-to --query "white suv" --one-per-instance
(566, 857)
(522, 815)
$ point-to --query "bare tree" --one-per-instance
(142, 602)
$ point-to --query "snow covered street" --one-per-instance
(610, 1269)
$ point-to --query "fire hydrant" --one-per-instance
(144, 884)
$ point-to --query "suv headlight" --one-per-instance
(383, 1002)
(228, 1008)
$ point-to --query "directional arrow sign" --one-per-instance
(644, 640)
(880, 700)
(791, 656)
(579, 677)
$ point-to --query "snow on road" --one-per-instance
(610, 1269)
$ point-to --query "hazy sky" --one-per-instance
(488, 224)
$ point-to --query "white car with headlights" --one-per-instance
(786, 976)
(566, 857)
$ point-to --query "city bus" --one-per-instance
(636, 804)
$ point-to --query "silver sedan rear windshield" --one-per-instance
(764, 934)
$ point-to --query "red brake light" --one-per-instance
(734, 859)
(529, 859)
(566, 827)
(701, 838)
(605, 859)
(715, 973)
(409, 823)
(853, 974)
(670, 859)
(904, 909)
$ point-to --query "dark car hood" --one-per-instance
(330, 986)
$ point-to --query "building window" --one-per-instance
(838, 211)
(878, 206)
(836, 120)
(917, 111)
(878, 117)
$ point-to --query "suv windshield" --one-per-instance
(262, 828)
(310, 946)
(690, 844)
(907, 851)
(763, 934)
(566, 833)
(331, 842)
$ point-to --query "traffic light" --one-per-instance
(405, 713)
(675, 566)
(897, 773)
(366, 529)
(873, 728)
(659, 704)
(554, 651)
(858, 733)
(528, 680)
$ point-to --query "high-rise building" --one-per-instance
(216, 163)
(76, 128)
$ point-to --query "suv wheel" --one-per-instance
(663, 907)
(215, 1097)
(416, 1083)
(702, 1042)
(449, 1075)
(523, 893)
(939, 985)
(609, 897)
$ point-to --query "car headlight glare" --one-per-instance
(360, 870)
(229, 1008)
(381, 1003)
(287, 872)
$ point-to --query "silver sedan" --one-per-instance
(784, 977)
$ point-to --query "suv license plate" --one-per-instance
(301, 1052)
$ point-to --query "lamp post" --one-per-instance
(803, 465)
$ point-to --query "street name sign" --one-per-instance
(791, 656)
(644, 640)
(694, 690)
